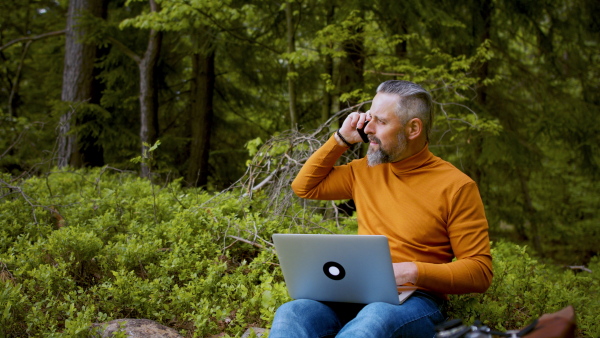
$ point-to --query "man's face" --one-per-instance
(386, 133)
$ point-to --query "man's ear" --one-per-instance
(413, 128)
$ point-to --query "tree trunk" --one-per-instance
(481, 27)
(77, 77)
(351, 67)
(291, 68)
(92, 151)
(148, 97)
(148, 90)
(148, 94)
(402, 47)
(327, 97)
(531, 213)
(201, 112)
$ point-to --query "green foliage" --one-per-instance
(516, 90)
(121, 253)
(90, 246)
(524, 288)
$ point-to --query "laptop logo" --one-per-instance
(334, 270)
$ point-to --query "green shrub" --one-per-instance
(523, 289)
(90, 246)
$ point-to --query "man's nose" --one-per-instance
(369, 128)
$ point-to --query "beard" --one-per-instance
(382, 155)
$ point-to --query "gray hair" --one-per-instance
(413, 102)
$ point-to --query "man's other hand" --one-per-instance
(405, 272)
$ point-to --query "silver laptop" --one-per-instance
(339, 268)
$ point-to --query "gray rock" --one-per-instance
(134, 328)
(260, 332)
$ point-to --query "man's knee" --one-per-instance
(299, 307)
(381, 310)
(388, 320)
(304, 318)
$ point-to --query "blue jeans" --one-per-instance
(416, 317)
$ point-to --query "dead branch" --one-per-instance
(272, 170)
(579, 267)
(5, 274)
(240, 239)
(20, 191)
(269, 178)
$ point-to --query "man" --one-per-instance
(430, 212)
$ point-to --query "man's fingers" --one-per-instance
(352, 122)
(363, 118)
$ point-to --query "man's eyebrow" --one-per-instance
(375, 117)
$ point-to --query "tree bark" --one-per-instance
(482, 23)
(201, 112)
(77, 77)
(148, 95)
(531, 213)
(351, 67)
(92, 151)
(291, 68)
(148, 89)
(327, 97)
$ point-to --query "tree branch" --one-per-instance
(579, 267)
(32, 38)
(246, 241)
(125, 49)
(269, 178)
(13, 144)
(20, 191)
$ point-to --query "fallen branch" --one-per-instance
(248, 242)
(18, 190)
(579, 267)
(5, 274)
(269, 178)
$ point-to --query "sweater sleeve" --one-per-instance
(319, 179)
(467, 228)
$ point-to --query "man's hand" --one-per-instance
(348, 128)
(405, 272)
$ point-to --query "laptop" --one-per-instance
(339, 268)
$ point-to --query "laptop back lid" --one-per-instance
(337, 268)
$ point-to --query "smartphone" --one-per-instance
(361, 132)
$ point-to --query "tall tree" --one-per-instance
(201, 108)
(148, 97)
(292, 75)
(77, 76)
(352, 65)
(31, 44)
(326, 106)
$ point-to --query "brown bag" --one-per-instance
(560, 324)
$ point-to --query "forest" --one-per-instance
(129, 127)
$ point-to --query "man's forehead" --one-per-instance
(384, 105)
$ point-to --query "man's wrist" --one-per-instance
(406, 272)
(341, 140)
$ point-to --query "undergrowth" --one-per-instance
(89, 246)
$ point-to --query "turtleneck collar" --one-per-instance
(418, 160)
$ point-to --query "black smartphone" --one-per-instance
(361, 132)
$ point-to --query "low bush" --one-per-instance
(90, 246)
(523, 289)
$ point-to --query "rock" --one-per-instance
(134, 328)
(260, 332)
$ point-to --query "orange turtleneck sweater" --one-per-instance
(429, 210)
